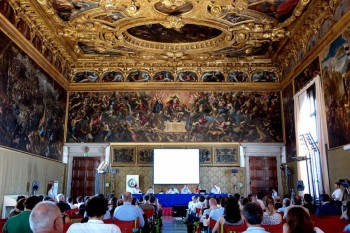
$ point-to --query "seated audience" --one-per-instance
(173, 190)
(213, 206)
(285, 203)
(20, 222)
(46, 218)
(127, 211)
(61, 202)
(299, 221)
(232, 215)
(326, 208)
(296, 202)
(278, 203)
(253, 214)
(19, 206)
(80, 200)
(271, 217)
(146, 205)
(185, 190)
(347, 213)
(95, 208)
(64, 215)
(70, 202)
(308, 203)
(217, 213)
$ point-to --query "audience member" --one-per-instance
(65, 217)
(80, 200)
(347, 214)
(46, 218)
(285, 203)
(70, 202)
(216, 190)
(19, 206)
(232, 215)
(259, 199)
(217, 213)
(299, 221)
(173, 190)
(62, 203)
(213, 205)
(112, 204)
(127, 211)
(95, 208)
(308, 203)
(297, 202)
(20, 222)
(326, 208)
(337, 194)
(136, 189)
(278, 203)
(185, 190)
(253, 214)
(271, 217)
(146, 205)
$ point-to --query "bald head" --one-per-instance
(213, 202)
(46, 217)
(127, 197)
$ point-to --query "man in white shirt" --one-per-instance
(150, 190)
(253, 215)
(185, 190)
(96, 207)
(337, 195)
(173, 190)
(51, 193)
(216, 190)
(136, 189)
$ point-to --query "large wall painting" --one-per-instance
(307, 75)
(336, 85)
(32, 105)
(174, 116)
(289, 123)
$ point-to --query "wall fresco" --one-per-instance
(32, 105)
(289, 123)
(174, 116)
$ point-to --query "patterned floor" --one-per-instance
(173, 225)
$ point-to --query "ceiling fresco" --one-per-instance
(170, 30)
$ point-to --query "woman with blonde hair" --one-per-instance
(298, 221)
(270, 216)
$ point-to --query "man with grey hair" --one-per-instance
(46, 217)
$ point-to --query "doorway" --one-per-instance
(84, 176)
(263, 174)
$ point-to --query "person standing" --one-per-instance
(51, 193)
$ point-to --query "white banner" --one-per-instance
(131, 180)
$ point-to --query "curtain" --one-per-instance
(312, 138)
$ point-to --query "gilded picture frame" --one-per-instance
(226, 155)
(123, 156)
(144, 155)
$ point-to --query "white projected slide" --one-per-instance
(176, 166)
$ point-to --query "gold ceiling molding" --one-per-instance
(307, 26)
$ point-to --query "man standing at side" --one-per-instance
(46, 217)
(127, 211)
(20, 222)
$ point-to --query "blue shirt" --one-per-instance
(128, 212)
(216, 214)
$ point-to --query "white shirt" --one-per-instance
(337, 195)
(93, 226)
(173, 191)
(255, 230)
(136, 190)
(150, 190)
(185, 190)
(216, 190)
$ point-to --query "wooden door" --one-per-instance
(83, 176)
(263, 174)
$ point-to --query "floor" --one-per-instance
(173, 225)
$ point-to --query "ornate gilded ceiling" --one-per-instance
(175, 35)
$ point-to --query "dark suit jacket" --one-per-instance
(327, 209)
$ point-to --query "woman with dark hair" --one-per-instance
(232, 215)
(270, 216)
(298, 221)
